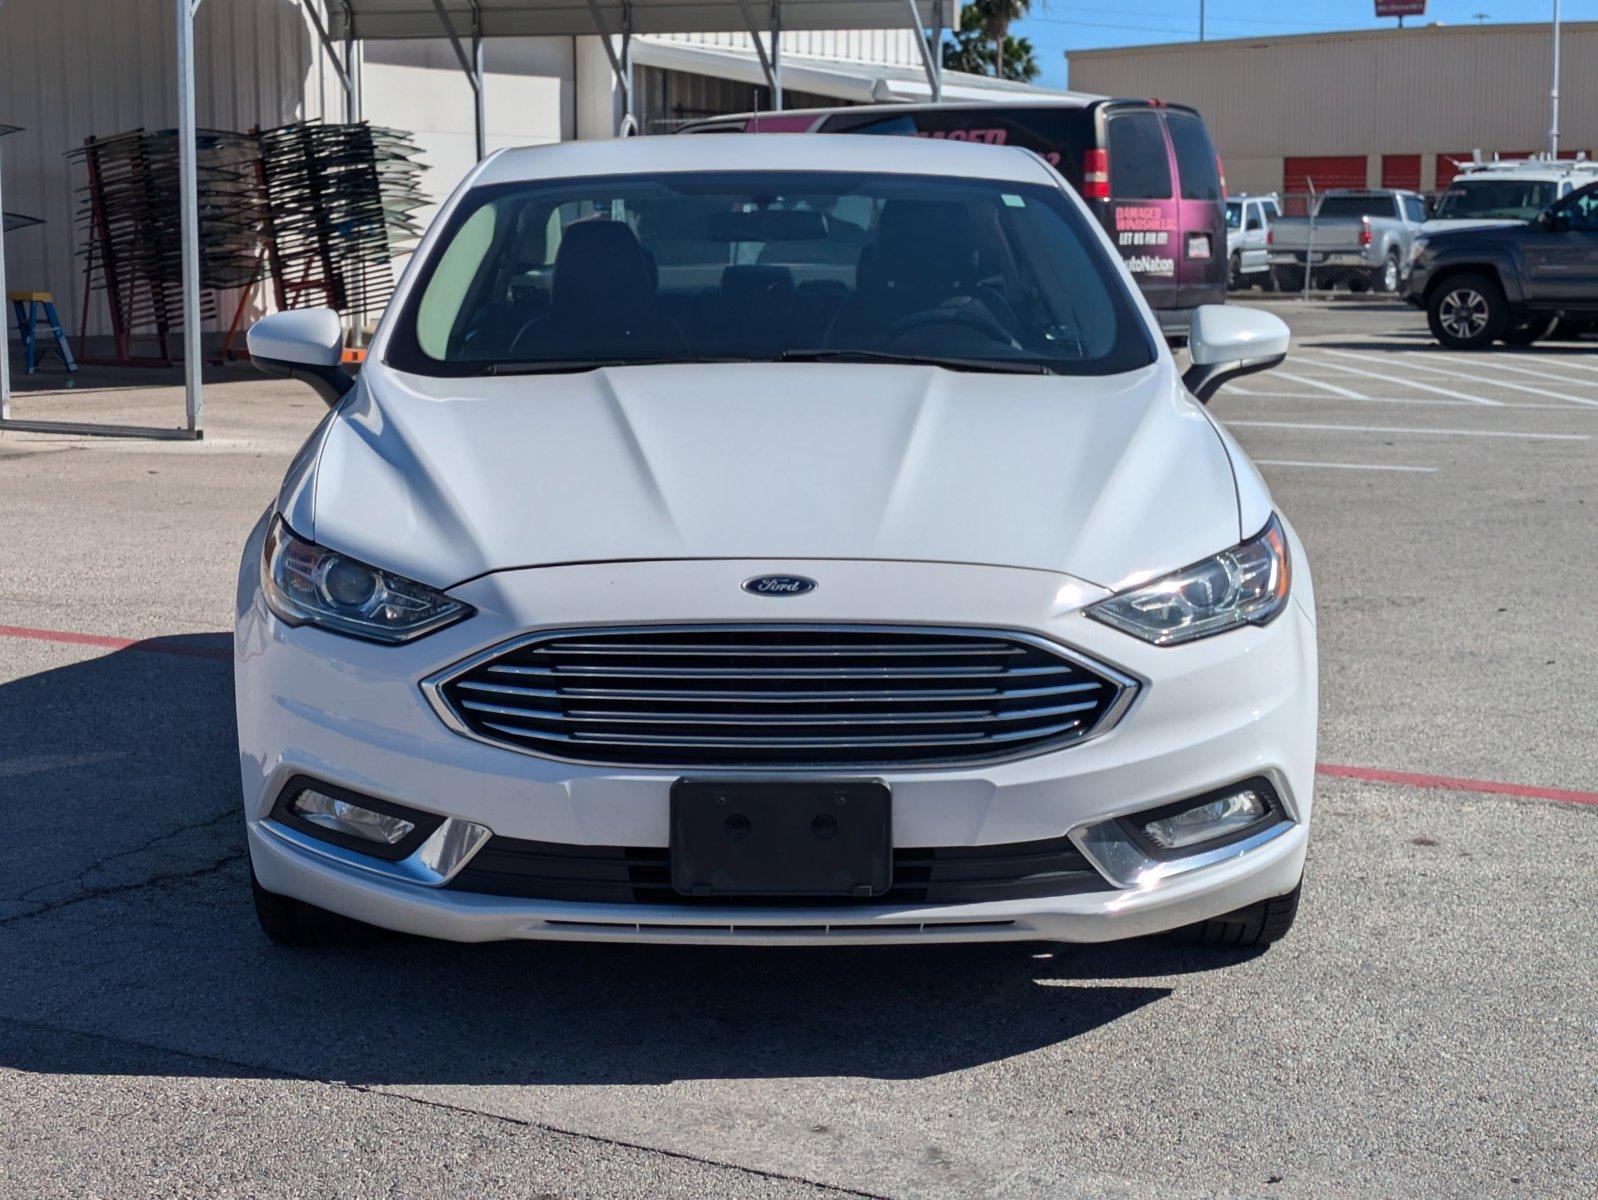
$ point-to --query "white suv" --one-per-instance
(773, 539)
(1506, 192)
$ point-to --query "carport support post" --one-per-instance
(5, 328)
(189, 212)
(931, 49)
(776, 55)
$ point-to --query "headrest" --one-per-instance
(600, 267)
(924, 243)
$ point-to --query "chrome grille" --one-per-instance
(779, 696)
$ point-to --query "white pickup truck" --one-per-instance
(1356, 237)
(1248, 232)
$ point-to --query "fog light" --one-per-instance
(1209, 820)
(365, 824)
(350, 819)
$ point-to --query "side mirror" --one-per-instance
(305, 344)
(1554, 220)
(1226, 341)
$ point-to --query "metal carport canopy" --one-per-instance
(373, 20)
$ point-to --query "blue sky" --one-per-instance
(1060, 25)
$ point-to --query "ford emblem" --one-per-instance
(779, 585)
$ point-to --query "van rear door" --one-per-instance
(1201, 262)
(1143, 219)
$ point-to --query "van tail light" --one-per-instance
(1220, 169)
(1096, 174)
(1364, 231)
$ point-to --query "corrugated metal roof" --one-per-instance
(380, 19)
(865, 83)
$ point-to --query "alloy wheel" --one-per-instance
(1463, 313)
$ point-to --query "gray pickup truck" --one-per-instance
(1512, 283)
(1359, 238)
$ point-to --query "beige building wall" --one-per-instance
(1428, 90)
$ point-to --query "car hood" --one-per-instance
(1108, 479)
(1463, 224)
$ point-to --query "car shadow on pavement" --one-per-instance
(1422, 343)
(125, 916)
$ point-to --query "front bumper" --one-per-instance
(353, 714)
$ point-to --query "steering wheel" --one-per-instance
(980, 322)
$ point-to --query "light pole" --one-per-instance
(1201, 19)
(1553, 93)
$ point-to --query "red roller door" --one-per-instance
(1401, 171)
(1323, 171)
(1446, 170)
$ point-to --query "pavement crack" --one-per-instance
(104, 861)
(160, 882)
(240, 1065)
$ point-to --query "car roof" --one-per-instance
(765, 152)
(1537, 174)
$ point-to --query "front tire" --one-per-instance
(294, 923)
(1234, 273)
(1467, 312)
(1256, 925)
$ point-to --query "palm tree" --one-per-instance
(981, 44)
(997, 17)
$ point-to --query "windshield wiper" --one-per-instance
(999, 366)
(572, 366)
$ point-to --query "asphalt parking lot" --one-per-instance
(1428, 1029)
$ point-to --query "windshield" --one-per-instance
(562, 275)
(1234, 214)
(1501, 199)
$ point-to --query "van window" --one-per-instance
(1140, 165)
(1059, 135)
(1195, 157)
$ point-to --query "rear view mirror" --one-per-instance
(767, 225)
(1226, 341)
(306, 344)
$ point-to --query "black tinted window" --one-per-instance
(1059, 135)
(1583, 209)
(1195, 158)
(1140, 165)
(1357, 206)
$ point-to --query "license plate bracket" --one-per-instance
(781, 837)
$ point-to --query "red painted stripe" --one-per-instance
(172, 646)
(1452, 783)
(1369, 774)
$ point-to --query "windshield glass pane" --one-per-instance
(767, 265)
(1234, 215)
(1501, 199)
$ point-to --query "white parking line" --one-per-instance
(1288, 462)
(1501, 433)
(1498, 364)
(1233, 390)
(1399, 380)
(1516, 387)
(1344, 392)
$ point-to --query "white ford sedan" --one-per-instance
(773, 540)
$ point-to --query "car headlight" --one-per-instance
(307, 584)
(1415, 249)
(1246, 585)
